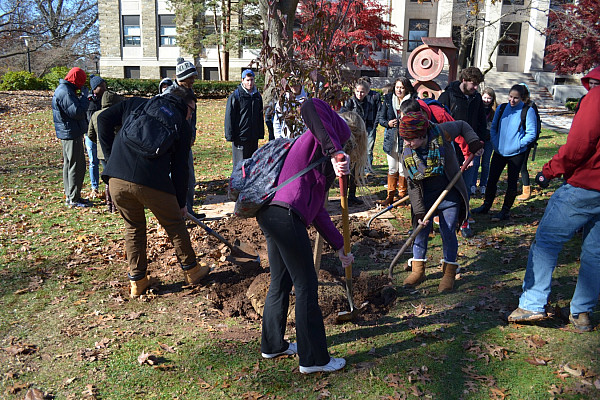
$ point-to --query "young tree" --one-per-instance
(574, 32)
(333, 35)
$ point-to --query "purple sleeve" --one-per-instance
(325, 227)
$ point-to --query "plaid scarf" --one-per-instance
(434, 161)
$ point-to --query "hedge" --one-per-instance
(23, 80)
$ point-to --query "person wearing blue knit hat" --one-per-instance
(98, 86)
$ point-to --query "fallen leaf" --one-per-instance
(535, 361)
(147, 358)
(574, 370)
(17, 387)
(34, 394)
(166, 347)
(203, 384)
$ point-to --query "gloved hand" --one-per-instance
(341, 167)
(475, 146)
(346, 259)
(541, 180)
(85, 91)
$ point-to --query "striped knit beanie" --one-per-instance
(413, 125)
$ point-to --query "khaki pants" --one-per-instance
(131, 199)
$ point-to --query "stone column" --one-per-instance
(536, 41)
(149, 30)
(110, 34)
(490, 34)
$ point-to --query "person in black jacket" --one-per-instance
(244, 124)
(465, 104)
(159, 184)
(98, 86)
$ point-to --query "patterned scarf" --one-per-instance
(434, 162)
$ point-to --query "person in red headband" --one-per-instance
(430, 163)
(69, 105)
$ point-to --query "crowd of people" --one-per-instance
(144, 147)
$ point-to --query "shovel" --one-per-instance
(429, 214)
(241, 253)
(388, 208)
(345, 315)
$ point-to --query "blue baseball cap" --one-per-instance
(247, 72)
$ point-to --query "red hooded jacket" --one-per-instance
(77, 77)
(578, 161)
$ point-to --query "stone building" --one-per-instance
(138, 38)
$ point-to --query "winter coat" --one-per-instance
(108, 99)
(69, 111)
(363, 108)
(578, 161)
(449, 130)
(111, 119)
(385, 115)
(585, 81)
(326, 134)
(167, 173)
(512, 138)
(465, 108)
(244, 117)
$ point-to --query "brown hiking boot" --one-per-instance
(417, 274)
(194, 275)
(392, 183)
(139, 287)
(521, 315)
(581, 322)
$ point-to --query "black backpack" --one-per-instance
(538, 127)
(152, 128)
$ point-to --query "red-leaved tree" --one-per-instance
(574, 31)
(356, 38)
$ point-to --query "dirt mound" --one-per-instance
(240, 290)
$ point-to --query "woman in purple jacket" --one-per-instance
(284, 222)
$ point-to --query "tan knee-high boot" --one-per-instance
(418, 272)
(391, 189)
(449, 270)
(402, 190)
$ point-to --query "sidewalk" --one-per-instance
(552, 119)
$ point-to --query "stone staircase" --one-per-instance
(501, 82)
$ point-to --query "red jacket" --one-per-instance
(579, 159)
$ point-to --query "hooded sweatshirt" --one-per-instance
(327, 132)
(593, 74)
(77, 77)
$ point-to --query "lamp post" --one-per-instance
(26, 39)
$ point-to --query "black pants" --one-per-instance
(291, 262)
(524, 172)
(514, 167)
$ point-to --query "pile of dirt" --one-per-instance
(240, 290)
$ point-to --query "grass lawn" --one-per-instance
(66, 331)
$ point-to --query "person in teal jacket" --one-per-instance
(510, 141)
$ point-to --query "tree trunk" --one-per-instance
(277, 35)
(225, 29)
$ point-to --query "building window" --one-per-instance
(168, 34)
(132, 72)
(417, 28)
(510, 45)
(513, 2)
(132, 33)
(210, 73)
(167, 72)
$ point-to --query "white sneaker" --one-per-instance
(334, 364)
(482, 189)
(291, 350)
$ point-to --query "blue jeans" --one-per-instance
(569, 209)
(371, 137)
(448, 213)
(93, 158)
(484, 161)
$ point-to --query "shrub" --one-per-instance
(149, 87)
(20, 80)
(52, 78)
